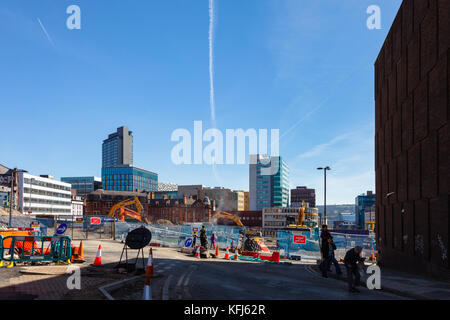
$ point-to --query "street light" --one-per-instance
(324, 193)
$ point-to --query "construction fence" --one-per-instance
(307, 243)
(183, 236)
(77, 227)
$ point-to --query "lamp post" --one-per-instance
(324, 193)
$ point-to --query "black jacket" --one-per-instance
(328, 249)
(351, 258)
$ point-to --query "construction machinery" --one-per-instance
(250, 239)
(121, 211)
(300, 225)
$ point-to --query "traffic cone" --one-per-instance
(217, 251)
(98, 258)
(147, 289)
(227, 254)
(149, 270)
(197, 253)
(236, 254)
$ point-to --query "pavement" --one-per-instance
(180, 276)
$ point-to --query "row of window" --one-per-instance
(46, 193)
(36, 182)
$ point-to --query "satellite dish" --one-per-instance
(138, 238)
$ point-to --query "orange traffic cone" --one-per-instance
(147, 289)
(227, 254)
(197, 253)
(149, 270)
(236, 254)
(217, 251)
(98, 257)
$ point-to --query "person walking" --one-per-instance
(213, 241)
(324, 235)
(330, 258)
(203, 238)
(351, 260)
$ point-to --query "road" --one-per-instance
(185, 277)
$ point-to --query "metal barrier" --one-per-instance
(35, 248)
(309, 247)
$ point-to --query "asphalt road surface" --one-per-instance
(185, 277)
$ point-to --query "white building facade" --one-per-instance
(274, 219)
(43, 196)
(77, 206)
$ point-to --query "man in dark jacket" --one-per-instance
(203, 238)
(330, 259)
(324, 235)
(351, 260)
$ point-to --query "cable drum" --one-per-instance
(138, 238)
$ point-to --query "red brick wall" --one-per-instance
(412, 91)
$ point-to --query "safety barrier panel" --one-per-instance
(308, 247)
(178, 236)
(35, 248)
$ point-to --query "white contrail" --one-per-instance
(46, 33)
(211, 61)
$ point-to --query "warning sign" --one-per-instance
(300, 239)
(95, 221)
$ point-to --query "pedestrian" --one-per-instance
(213, 241)
(232, 244)
(351, 260)
(330, 258)
(195, 240)
(203, 238)
(324, 235)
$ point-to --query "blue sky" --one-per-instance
(304, 67)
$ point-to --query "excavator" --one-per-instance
(252, 241)
(120, 210)
(301, 220)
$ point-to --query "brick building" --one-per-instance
(300, 194)
(179, 211)
(100, 202)
(412, 139)
(248, 218)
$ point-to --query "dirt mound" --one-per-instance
(5, 211)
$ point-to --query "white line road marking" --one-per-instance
(165, 292)
(181, 279)
(186, 282)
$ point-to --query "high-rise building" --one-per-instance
(129, 178)
(118, 148)
(84, 185)
(362, 203)
(301, 194)
(412, 139)
(269, 182)
(118, 172)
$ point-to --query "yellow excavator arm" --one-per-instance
(120, 210)
(229, 216)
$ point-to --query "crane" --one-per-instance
(120, 210)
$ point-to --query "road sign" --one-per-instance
(96, 221)
(188, 243)
(300, 239)
(79, 220)
(61, 228)
(36, 225)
